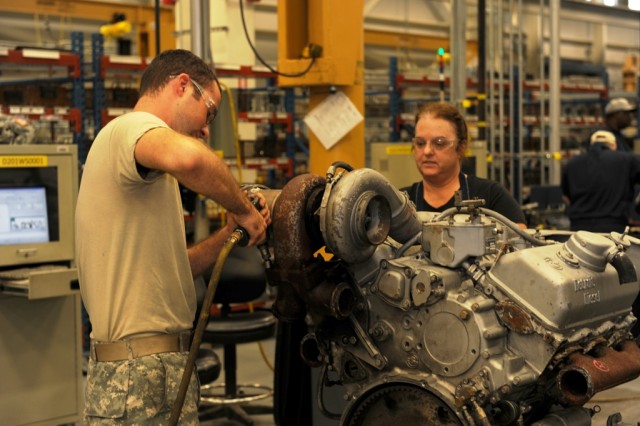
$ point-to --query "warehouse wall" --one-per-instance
(591, 33)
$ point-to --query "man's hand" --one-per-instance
(255, 222)
(262, 206)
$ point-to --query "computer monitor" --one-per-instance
(38, 190)
(23, 215)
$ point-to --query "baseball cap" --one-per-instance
(602, 136)
(618, 104)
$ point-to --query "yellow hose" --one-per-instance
(231, 242)
(236, 133)
(261, 347)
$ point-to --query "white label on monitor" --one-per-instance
(23, 216)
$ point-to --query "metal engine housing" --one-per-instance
(461, 316)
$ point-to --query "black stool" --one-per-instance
(242, 280)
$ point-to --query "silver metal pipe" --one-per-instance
(543, 95)
(512, 133)
(520, 97)
(491, 122)
(500, 126)
(196, 28)
(554, 90)
(458, 52)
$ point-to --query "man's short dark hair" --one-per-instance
(171, 63)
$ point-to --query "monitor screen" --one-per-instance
(23, 216)
(28, 180)
(38, 187)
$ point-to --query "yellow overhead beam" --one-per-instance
(414, 41)
(335, 26)
(142, 17)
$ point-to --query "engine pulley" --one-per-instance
(400, 404)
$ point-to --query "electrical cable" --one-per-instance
(452, 211)
(273, 70)
(263, 353)
(410, 242)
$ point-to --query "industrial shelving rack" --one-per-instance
(102, 66)
(51, 61)
(128, 68)
(583, 95)
(582, 104)
(266, 105)
(406, 91)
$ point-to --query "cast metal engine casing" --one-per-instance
(461, 318)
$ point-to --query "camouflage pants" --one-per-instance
(141, 391)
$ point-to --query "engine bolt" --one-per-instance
(485, 354)
(406, 323)
(407, 344)
(464, 314)
(412, 361)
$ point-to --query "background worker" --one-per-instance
(439, 144)
(598, 185)
(136, 272)
(618, 115)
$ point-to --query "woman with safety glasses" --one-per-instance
(439, 145)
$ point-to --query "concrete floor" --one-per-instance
(252, 369)
(624, 399)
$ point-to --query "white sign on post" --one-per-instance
(333, 118)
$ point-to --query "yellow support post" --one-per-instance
(337, 26)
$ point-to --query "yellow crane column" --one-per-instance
(337, 26)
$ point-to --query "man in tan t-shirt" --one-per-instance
(136, 271)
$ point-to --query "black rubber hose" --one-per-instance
(624, 267)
